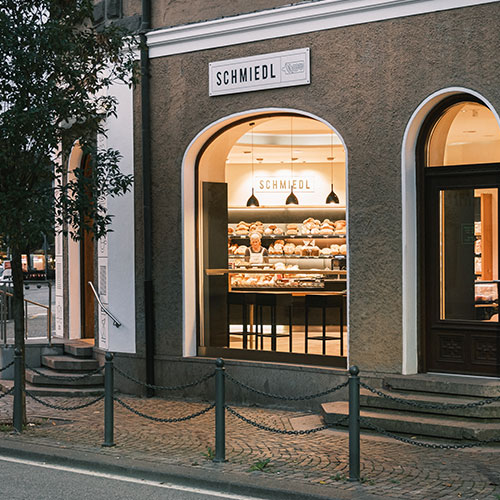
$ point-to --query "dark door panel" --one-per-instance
(461, 260)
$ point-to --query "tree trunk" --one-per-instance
(19, 319)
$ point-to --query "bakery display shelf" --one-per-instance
(283, 256)
(324, 272)
(290, 236)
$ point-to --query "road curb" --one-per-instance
(269, 486)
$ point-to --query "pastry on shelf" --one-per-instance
(230, 230)
(289, 249)
(326, 251)
(278, 230)
(335, 249)
(343, 249)
(298, 250)
(292, 229)
(278, 248)
(241, 250)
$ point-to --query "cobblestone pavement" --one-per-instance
(390, 469)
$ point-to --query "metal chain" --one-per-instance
(281, 431)
(163, 420)
(6, 366)
(422, 444)
(434, 406)
(10, 391)
(164, 387)
(67, 379)
(286, 398)
(64, 408)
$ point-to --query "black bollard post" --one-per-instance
(108, 401)
(18, 390)
(354, 452)
(220, 412)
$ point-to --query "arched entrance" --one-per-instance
(458, 166)
(268, 153)
(80, 270)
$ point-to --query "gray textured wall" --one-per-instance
(366, 81)
(174, 12)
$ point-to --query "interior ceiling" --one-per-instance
(473, 123)
(281, 139)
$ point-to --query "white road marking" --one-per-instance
(169, 486)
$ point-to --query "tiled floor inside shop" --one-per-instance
(298, 341)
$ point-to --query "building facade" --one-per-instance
(392, 107)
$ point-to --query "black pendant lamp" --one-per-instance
(252, 201)
(292, 199)
(332, 197)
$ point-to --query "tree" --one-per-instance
(56, 68)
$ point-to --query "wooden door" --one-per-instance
(214, 256)
(462, 328)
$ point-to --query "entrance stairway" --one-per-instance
(73, 359)
(471, 423)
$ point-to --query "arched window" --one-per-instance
(272, 241)
(466, 133)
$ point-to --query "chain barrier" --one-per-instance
(433, 406)
(64, 408)
(423, 444)
(282, 431)
(163, 420)
(10, 391)
(66, 379)
(286, 398)
(7, 366)
(165, 387)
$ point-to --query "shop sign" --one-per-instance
(267, 71)
(273, 184)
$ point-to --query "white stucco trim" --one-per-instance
(189, 267)
(289, 20)
(409, 214)
(117, 250)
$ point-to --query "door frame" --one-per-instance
(430, 180)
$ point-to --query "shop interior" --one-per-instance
(272, 239)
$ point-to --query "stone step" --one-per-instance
(69, 363)
(79, 349)
(487, 411)
(453, 428)
(480, 387)
(63, 379)
(68, 392)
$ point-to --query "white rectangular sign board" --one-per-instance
(267, 71)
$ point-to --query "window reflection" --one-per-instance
(469, 254)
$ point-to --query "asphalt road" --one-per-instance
(30, 480)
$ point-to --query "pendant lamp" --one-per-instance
(252, 201)
(292, 199)
(332, 197)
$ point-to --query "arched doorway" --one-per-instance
(80, 270)
(458, 161)
(267, 156)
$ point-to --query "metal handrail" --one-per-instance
(115, 321)
(3, 312)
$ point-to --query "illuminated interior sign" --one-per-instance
(274, 184)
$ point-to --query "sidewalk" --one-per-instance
(315, 464)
